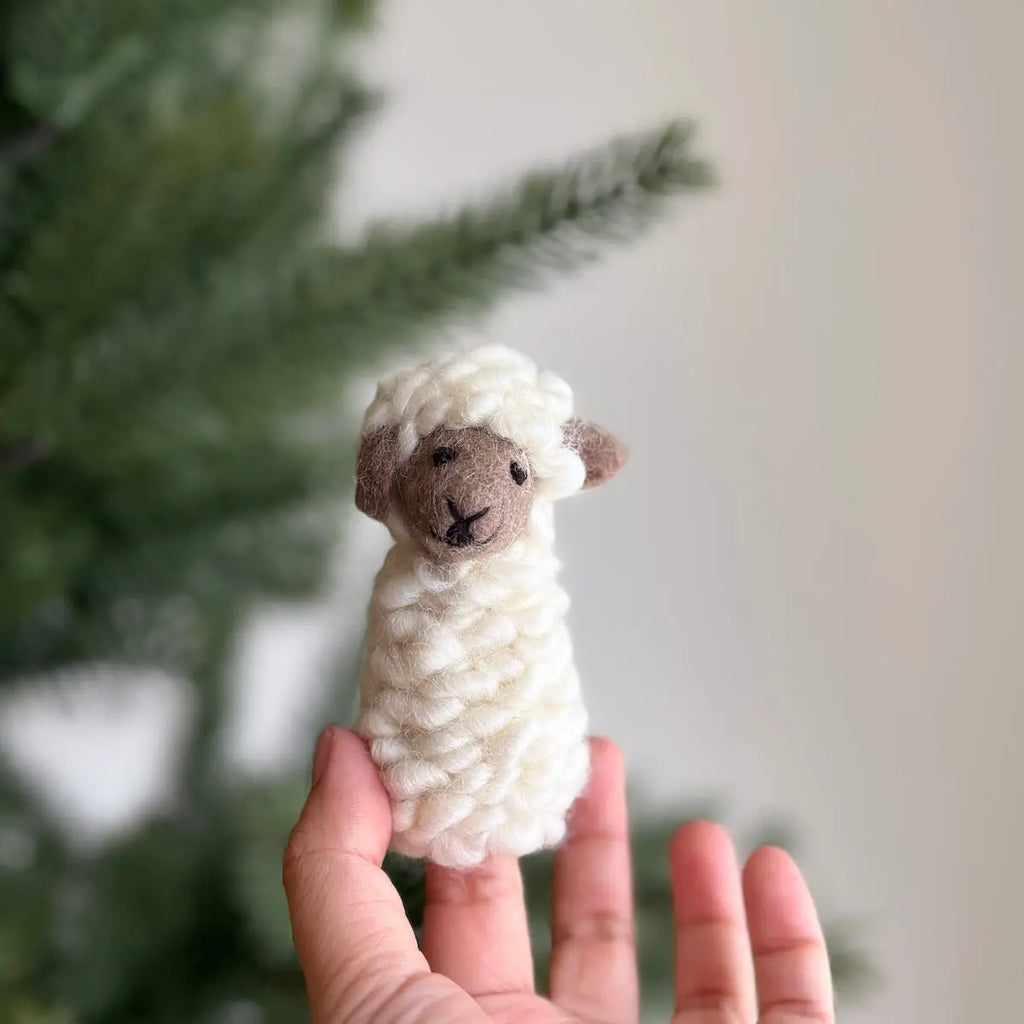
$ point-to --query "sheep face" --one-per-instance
(464, 493)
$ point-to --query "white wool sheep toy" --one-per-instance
(469, 697)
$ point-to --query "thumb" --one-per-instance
(351, 932)
(357, 948)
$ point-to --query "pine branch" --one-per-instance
(284, 343)
(158, 193)
(153, 933)
(401, 280)
(252, 199)
(263, 815)
(151, 602)
(14, 148)
(68, 54)
(353, 14)
(202, 784)
(553, 220)
(32, 857)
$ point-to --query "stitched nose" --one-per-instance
(460, 533)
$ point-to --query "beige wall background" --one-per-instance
(805, 594)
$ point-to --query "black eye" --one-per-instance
(518, 473)
(443, 455)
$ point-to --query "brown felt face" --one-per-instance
(464, 493)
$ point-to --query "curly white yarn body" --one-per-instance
(469, 696)
(471, 703)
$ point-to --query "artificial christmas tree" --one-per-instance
(176, 327)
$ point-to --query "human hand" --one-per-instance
(743, 947)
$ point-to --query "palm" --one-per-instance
(746, 950)
(530, 1009)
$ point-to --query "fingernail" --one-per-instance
(322, 755)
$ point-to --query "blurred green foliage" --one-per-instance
(176, 332)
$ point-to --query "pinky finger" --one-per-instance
(794, 983)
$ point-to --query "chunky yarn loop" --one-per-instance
(493, 387)
(472, 705)
(469, 696)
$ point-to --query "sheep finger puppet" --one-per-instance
(468, 696)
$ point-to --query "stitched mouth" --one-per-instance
(467, 544)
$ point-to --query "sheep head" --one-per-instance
(467, 492)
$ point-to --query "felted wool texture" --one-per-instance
(469, 696)
(602, 454)
(375, 467)
(471, 485)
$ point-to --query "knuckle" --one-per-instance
(721, 1005)
(492, 883)
(296, 863)
(599, 928)
(796, 1011)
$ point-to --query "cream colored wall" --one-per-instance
(806, 593)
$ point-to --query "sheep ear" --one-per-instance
(374, 470)
(602, 453)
